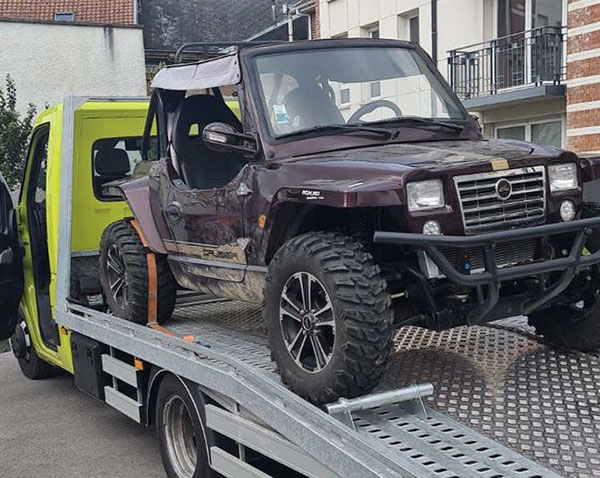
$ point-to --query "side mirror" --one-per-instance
(224, 138)
(476, 119)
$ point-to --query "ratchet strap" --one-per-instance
(152, 281)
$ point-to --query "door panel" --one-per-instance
(37, 268)
(11, 264)
(207, 229)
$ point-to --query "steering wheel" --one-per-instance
(370, 107)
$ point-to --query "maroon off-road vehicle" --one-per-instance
(353, 195)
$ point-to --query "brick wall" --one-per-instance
(118, 12)
(316, 21)
(583, 70)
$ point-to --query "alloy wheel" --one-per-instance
(115, 269)
(307, 322)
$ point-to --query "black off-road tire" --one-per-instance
(123, 236)
(173, 392)
(567, 328)
(361, 311)
(570, 327)
(32, 366)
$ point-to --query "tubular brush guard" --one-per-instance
(491, 276)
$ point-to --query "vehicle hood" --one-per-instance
(438, 154)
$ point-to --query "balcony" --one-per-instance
(526, 66)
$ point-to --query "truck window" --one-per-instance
(116, 159)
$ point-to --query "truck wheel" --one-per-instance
(577, 325)
(181, 434)
(328, 317)
(31, 364)
(124, 275)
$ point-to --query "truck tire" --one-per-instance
(32, 366)
(124, 275)
(575, 326)
(181, 433)
(328, 317)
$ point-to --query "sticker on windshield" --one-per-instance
(281, 114)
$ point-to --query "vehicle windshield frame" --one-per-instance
(251, 77)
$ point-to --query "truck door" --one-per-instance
(11, 264)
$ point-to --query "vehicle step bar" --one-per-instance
(128, 374)
(264, 441)
(231, 467)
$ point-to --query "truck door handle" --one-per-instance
(174, 212)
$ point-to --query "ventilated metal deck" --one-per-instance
(500, 395)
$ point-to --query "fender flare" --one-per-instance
(138, 196)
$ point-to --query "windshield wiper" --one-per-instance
(421, 122)
(343, 129)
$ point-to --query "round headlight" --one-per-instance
(567, 211)
(432, 228)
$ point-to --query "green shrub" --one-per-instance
(14, 134)
(4, 347)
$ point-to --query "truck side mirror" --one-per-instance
(224, 138)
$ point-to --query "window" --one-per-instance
(549, 133)
(516, 16)
(64, 17)
(413, 29)
(115, 159)
(375, 87)
(512, 132)
(396, 74)
(345, 96)
(374, 32)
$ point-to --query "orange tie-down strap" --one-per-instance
(152, 282)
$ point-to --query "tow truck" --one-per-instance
(486, 401)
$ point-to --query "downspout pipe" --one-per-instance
(434, 30)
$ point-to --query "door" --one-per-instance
(34, 195)
(207, 228)
(11, 264)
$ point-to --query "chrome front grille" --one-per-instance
(484, 209)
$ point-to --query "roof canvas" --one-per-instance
(199, 76)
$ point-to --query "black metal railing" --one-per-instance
(533, 57)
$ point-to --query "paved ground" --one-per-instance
(49, 429)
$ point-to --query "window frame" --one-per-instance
(96, 190)
(528, 127)
(409, 30)
(57, 17)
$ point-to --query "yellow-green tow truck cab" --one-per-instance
(106, 146)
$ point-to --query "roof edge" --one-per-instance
(71, 24)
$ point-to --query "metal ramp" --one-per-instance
(219, 345)
(499, 380)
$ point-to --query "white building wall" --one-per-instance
(460, 22)
(49, 61)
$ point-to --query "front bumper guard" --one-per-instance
(492, 275)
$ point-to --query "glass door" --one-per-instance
(510, 57)
(528, 48)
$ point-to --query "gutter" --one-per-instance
(434, 31)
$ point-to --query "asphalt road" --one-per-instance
(49, 429)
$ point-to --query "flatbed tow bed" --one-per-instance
(504, 404)
(207, 343)
(501, 405)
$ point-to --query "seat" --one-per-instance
(313, 107)
(110, 165)
(200, 167)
